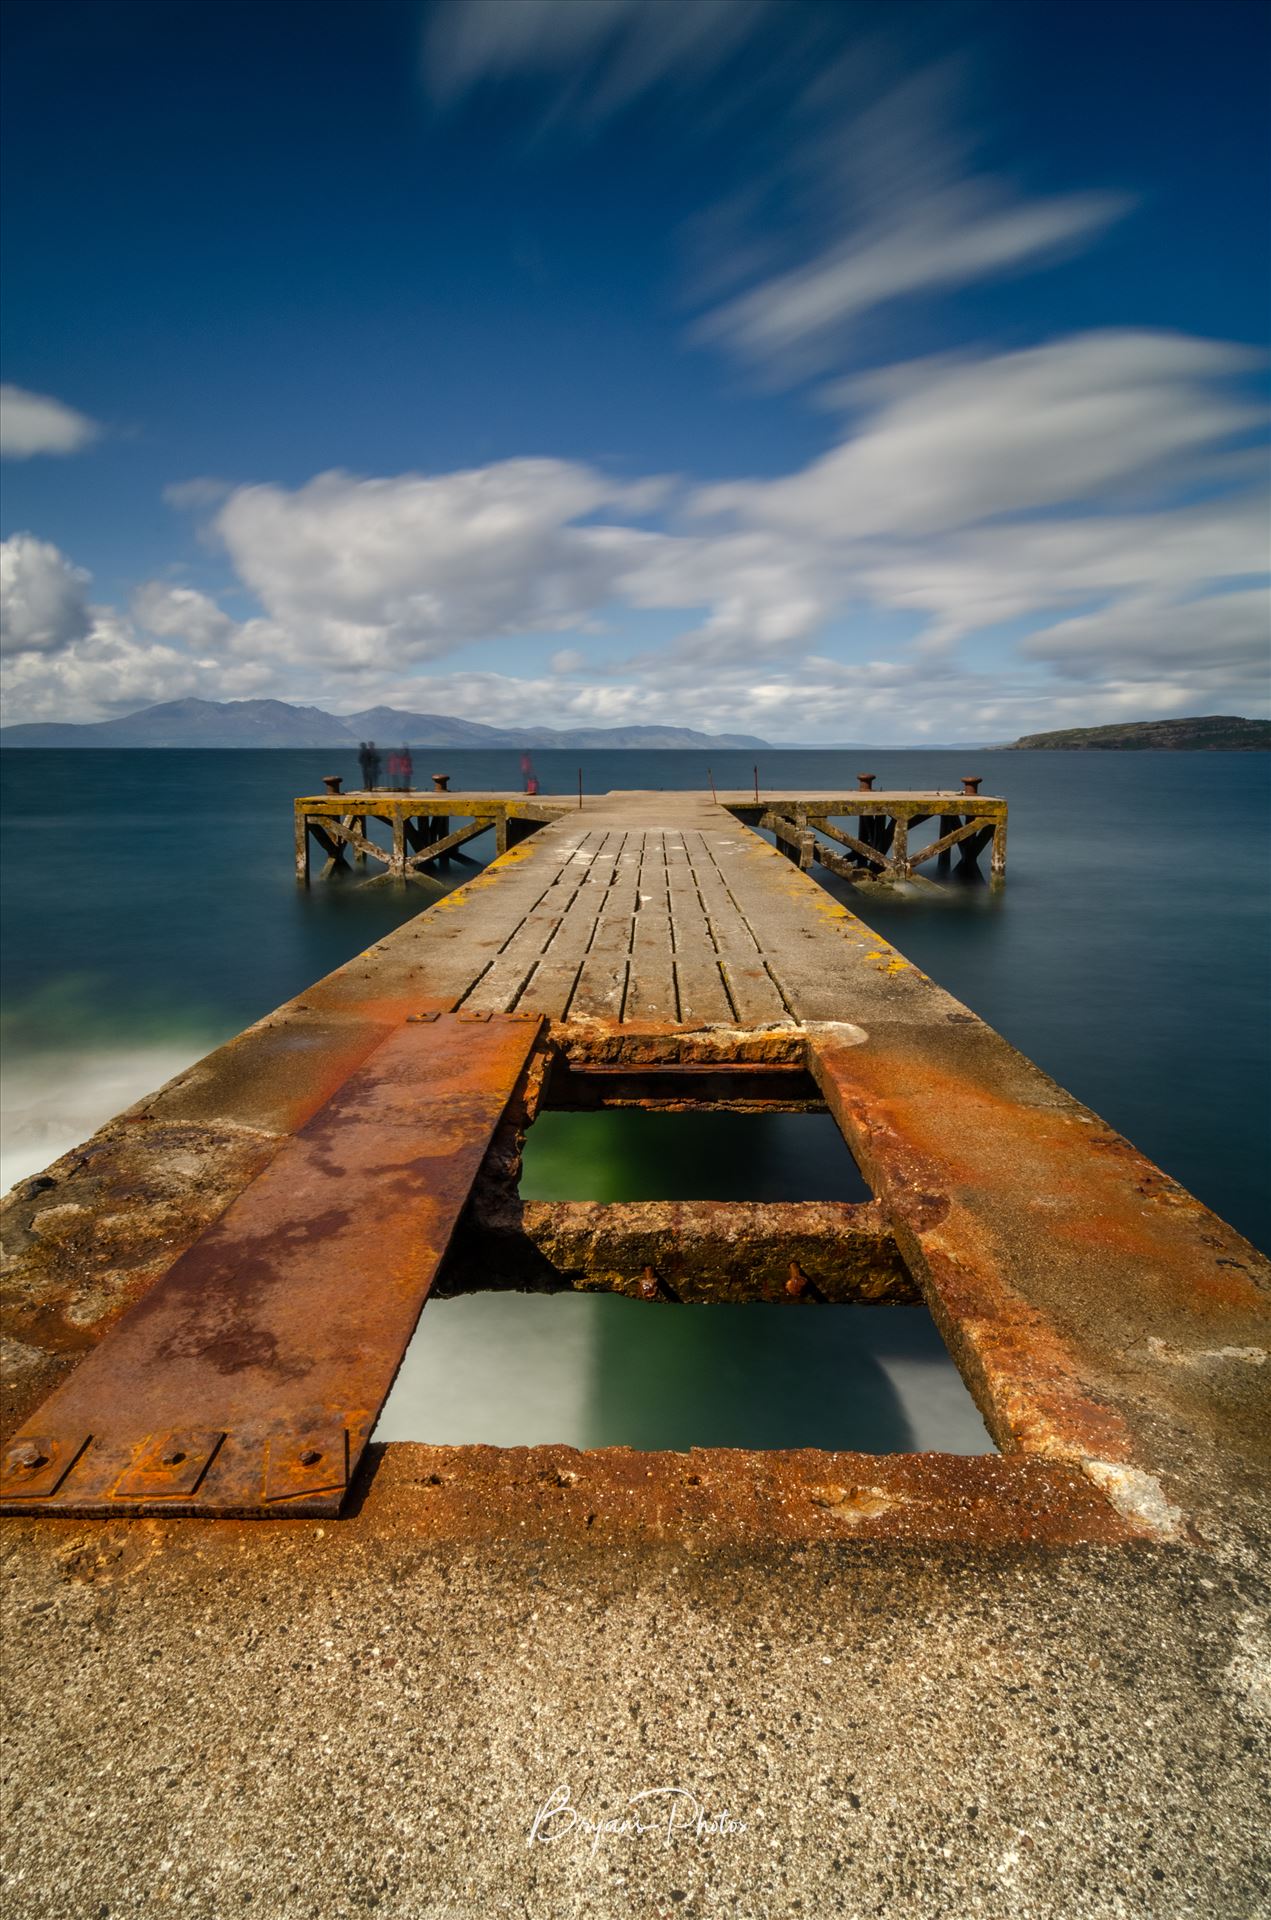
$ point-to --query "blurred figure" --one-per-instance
(406, 768)
(369, 760)
(394, 770)
(531, 778)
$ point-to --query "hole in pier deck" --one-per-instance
(600, 1371)
(630, 1154)
(591, 1370)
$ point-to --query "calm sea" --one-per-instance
(150, 913)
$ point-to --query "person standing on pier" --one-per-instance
(369, 761)
(406, 769)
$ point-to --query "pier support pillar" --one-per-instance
(865, 825)
(900, 848)
(949, 823)
(998, 868)
(970, 849)
(397, 865)
(302, 848)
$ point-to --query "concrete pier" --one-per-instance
(300, 1673)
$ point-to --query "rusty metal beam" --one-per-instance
(249, 1379)
(1016, 1211)
(697, 1252)
(785, 1087)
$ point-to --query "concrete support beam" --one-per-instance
(691, 1251)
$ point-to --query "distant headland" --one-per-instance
(1213, 733)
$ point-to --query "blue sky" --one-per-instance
(833, 371)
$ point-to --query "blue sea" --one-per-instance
(150, 912)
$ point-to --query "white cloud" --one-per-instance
(42, 606)
(955, 444)
(1093, 472)
(362, 571)
(113, 670)
(32, 423)
(971, 580)
(1224, 637)
(182, 613)
(65, 659)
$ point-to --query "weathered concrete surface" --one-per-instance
(918, 1694)
(221, 1718)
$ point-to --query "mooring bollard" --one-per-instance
(971, 782)
(441, 781)
(865, 782)
(333, 782)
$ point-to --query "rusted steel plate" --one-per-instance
(725, 1499)
(1048, 1248)
(250, 1377)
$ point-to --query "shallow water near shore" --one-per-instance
(151, 913)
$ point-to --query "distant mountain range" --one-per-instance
(275, 723)
(1212, 733)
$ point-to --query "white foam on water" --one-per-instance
(52, 1102)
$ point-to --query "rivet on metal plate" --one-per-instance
(419, 1019)
(35, 1465)
(168, 1465)
(315, 1462)
(474, 1016)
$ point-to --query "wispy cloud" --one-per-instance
(796, 321)
(598, 55)
(864, 192)
(191, 496)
